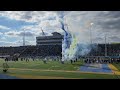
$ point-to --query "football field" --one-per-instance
(55, 70)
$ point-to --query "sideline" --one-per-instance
(58, 71)
(39, 77)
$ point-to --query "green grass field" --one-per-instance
(51, 65)
(53, 69)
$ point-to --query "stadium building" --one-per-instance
(52, 46)
(55, 39)
(45, 46)
(49, 45)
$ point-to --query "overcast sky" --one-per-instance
(12, 24)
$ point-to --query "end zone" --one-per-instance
(97, 68)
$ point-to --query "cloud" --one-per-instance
(1, 33)
(2, 39)
(11, 33)
(4, 27)
(44, 19)
(115, 38)
(19, 33)
(105, 22)
(28, 16)
(27, 42)
(7, 43)
(27, 34)
(16, 43)
(47, 26)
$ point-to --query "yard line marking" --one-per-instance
(114, 69)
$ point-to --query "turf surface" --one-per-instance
(37, 69)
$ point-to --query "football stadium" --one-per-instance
(90, 50)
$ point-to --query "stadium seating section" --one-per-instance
(55, 50)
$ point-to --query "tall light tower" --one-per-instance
(23, 37)
(105, 46)
(91, 24)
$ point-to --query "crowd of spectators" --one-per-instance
(111, 50)
(28, 51)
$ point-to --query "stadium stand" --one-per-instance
(51, 46)
(55, 50)
(26, 51)
(112, 50)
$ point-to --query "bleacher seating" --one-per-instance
(26, 51)
(56, 50)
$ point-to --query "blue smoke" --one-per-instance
(66, 36)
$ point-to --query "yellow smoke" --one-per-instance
(73, 45)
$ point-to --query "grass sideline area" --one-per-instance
(39, 70)
(38, 64)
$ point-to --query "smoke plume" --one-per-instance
(76, 42)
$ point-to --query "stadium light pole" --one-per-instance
(91, 24)
(23, 37)
(105, 46)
